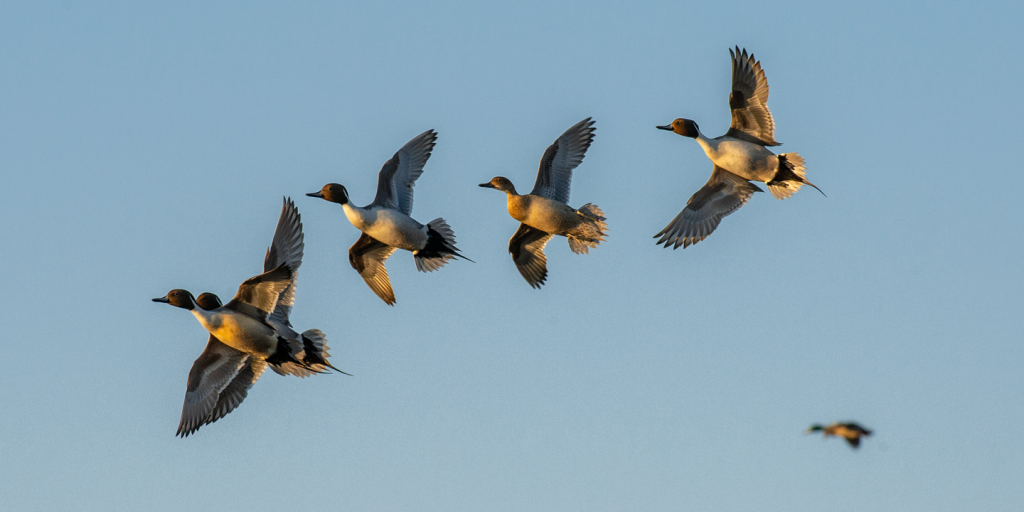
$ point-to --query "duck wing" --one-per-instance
(397, 177)
(751, 120)
(286, 248)
(257, 296)
(217, 383)
(527, 249)
(367, 256)
(856, 428)
(554, 176)
(236, 391)
(723, 194)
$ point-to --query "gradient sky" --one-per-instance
(146, 146)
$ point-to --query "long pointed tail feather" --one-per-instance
(790, 177)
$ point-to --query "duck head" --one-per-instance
(500, 183)
(178, 298)
(684, 127)
(208, 301)
(814, 428)
(332, 192)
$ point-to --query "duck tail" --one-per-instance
(287, 358)
(789, 177)
(315, 351)
(590, 234)
(439, 249)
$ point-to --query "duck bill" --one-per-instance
(666, 127)
(164, 300)
(316, 194)
(486, 185)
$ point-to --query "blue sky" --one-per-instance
(146, 147)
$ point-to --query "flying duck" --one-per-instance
(544, 212)
(739, 157)
(849, 431)
(249, 333)
(386, 223)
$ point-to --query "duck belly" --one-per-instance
(390, 227)
(545, 214)
(749, 161)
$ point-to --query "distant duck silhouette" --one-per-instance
(849, 431)
(545, 212)
(739, 157)
(250, 333)
(386, 223)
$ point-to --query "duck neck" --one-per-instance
(355, 215)
(205, 317)
(710, 146)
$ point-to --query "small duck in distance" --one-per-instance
(250, 333)
(386, 222)
(545, 212)
(849, 431)
(739, 157)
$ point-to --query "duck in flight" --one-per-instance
(545, 211)
(739, 157)
(849, 431)
(386, 223)
(250, 333)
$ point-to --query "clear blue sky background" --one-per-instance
(145, 147)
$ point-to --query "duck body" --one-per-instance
(240, 331)
(747, 160)
(389, 226)
(551, 216)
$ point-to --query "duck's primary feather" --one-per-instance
(723, 194)
(219, 380)
(399, 174)
(751, 120)
(287, 248)
(554, 175)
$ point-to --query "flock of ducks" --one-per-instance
(252, 331)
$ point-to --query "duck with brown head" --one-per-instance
(332, 192)
(739, 157)
(250, 332)
(684, 127)
(545, 212)
(386, 223)
(241, 341)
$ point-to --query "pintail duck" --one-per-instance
(739, 157)
(849, 431)
(249, 333)
(386, 223)
(544, 212)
